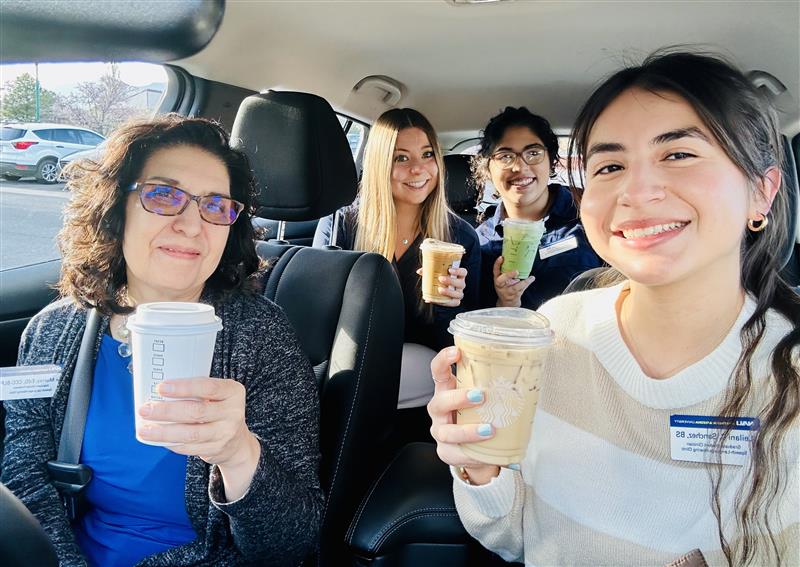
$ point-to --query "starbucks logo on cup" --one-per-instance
(504, 403)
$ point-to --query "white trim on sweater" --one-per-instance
(617, 490)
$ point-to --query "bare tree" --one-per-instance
(101, 105)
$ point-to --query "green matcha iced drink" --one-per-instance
(520, 244)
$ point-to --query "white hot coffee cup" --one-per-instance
(170, 341)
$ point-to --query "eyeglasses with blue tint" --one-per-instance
(169, 201)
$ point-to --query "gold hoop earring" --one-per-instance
(758, 225)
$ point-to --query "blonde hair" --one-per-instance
(377, 216)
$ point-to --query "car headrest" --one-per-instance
(302, 162)
(793, 194)
(459, 185)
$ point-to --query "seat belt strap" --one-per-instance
(80, 391)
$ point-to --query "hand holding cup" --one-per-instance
(209, 424)
(440, 283)
(451, 286)
(508, 286)
(204, 417)
(447, 399)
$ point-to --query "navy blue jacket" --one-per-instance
(424, 324)
(563, 253)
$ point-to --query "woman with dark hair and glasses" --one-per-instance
(668, 422)
(518, 155)
(164, 215)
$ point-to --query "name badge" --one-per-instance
(22, 382)
(698, 438)
(569, 243)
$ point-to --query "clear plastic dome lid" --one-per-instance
(503, 325)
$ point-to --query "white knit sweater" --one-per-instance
(598, 485)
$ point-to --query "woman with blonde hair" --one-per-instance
(401, 202)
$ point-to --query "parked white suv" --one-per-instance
(34, 150)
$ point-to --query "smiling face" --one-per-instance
(522, 187)
(170, 258)
(662, 201)
(414, 170)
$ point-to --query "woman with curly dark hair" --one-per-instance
(164, 215)
(519, 155)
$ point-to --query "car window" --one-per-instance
(66, 135)
(470, 146)
(356, 136)
(44, 134)
(8, 133)
(78, 97)
(356, 133)
(89, 138)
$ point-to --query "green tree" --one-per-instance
(19, 100)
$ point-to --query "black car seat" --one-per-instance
(791, 264)
(299, 232)
(460, 188)
(23, 542)
(345, 306)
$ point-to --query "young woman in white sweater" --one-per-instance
(684, 198)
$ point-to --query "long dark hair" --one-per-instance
(93, 269)
(746, 127)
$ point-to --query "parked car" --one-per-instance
(34, 149)
(91, 154)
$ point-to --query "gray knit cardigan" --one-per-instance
(276, 522)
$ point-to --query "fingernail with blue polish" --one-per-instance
(475, 396)
(484, 429)
(514, 466)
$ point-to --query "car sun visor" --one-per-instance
(71, 31)
(299, 153)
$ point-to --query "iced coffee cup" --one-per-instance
(437, 258)
(502, 352)
(170, 341)
(520, 243)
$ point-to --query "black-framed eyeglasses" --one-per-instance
(532, 156)
(169, 201)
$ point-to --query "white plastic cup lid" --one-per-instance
(174, 317)
(433, 244)
(503, 325)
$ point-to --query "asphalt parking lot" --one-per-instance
(30, 218)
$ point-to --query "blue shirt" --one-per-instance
(136, 492)
(564, 252)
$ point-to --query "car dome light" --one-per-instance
(23, 145)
